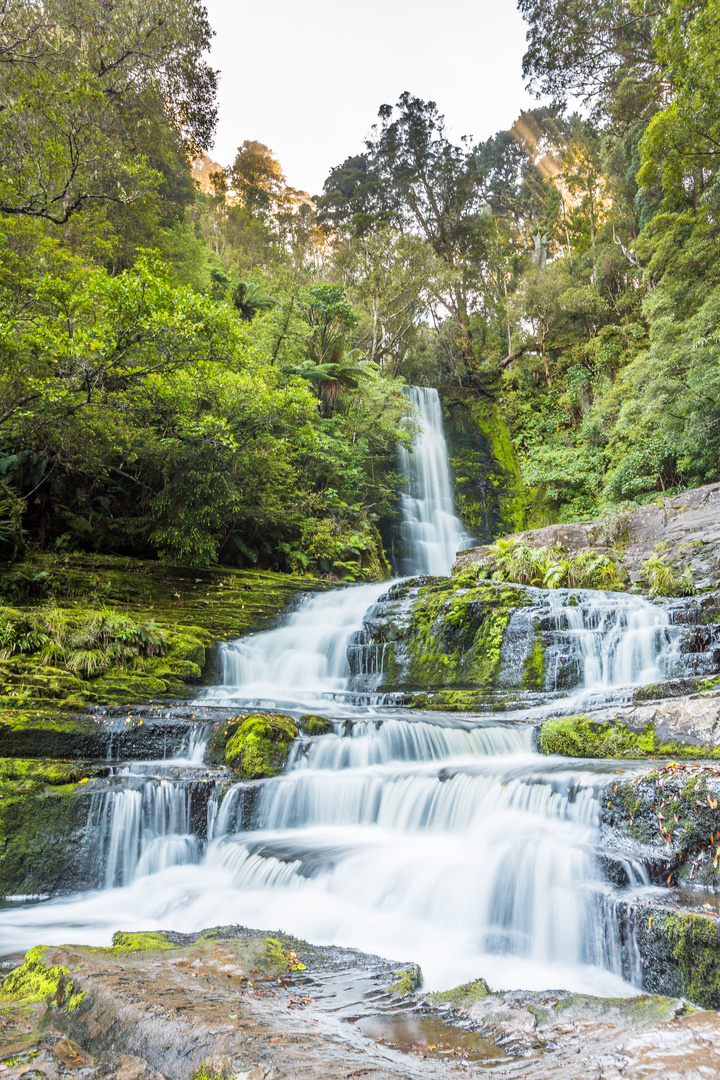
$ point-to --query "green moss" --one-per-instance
(643, 1009)
(580, 736)
(183, 611)
(310, 724)
(143, 941)
(42, 837)
(516, 500)
(260, 746)
(695, 944)
(454, 638)
(280, 957)
(461, 997)
(38, 773)
(40, 733)
(452, 701)
(534, 666)
(37, 981)
(407, 981)
(207, 1073)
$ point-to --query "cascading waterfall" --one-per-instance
(445, 840)
(431, 532)
(304, 662)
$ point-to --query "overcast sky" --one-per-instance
(308, 78)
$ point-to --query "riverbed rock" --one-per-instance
(224, 1002)
(686, 527)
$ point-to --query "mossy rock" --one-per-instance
(127, 689)
(31, 774)
(461, 997)
(642, 1009)
(449, 637)
(43, 840)
(37, 981)
(311, 724)
(144, 941)
(582, 736)
(260, 746)
(41, 733)
(407, 981)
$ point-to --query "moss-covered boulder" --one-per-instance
(461, 997)
(261, 745)
(312, 724)
(679, 952)
(43, 838)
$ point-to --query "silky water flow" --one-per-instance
(443, 840)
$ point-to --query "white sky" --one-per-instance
(307, 78)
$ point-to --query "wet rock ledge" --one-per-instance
(233, 1002)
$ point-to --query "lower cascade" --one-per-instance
(443, 838)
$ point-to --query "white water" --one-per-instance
(303, 663)
(442, 841)
(431, 532)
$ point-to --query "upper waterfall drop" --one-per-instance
(431, 532)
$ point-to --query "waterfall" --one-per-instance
(445, 840)
(302, 663)
(431, 532)
(594, 641)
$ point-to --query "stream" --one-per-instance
(442, 839)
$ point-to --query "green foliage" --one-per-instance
(85, 644)
(663, 580)
(550, 568)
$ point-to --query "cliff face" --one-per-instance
(684, 529)
(490, 494)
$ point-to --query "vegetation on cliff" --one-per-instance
(211, 371)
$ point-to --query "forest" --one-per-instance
(201, 364)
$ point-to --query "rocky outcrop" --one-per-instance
(669, 818)
(431, 634)
(686, 528)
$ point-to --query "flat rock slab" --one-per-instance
(224, 1002)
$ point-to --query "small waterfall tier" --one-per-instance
(304, 662)
(504, 638)
(431, 532)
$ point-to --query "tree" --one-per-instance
(436, 186)
(75, 78)
(355, 198)
(601, 52)
(681, 148)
